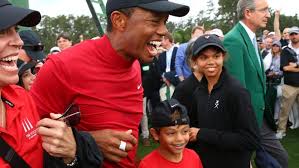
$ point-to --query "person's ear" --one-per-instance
(118, 20)
(155, 134)
(247, 13)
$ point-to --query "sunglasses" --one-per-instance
(71, 116)
(293, 34)
(39, 47)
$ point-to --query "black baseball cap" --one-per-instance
(32, 44)
(11, 15)
(206, 41)
(24, 66)
(161, 6)
(162, 114)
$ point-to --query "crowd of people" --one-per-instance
(216, 100)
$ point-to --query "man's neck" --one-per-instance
(295, 45)
(119, 45)
(176, 158)
(249, 25)
(168, 47)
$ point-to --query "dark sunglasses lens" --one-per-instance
(73, 120)
(34, 48)
(36, 70)
(38, 48)
(74, 115)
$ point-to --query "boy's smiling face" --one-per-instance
(172, 139)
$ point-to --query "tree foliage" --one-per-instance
(51, 27)
(285, 21)
(223, 17)
(227, 14)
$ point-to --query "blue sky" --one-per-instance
(79, 7)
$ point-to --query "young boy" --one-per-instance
(170, 126)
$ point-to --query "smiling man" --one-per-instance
(103, 76)
(245, 64)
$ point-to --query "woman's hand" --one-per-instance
(57, 138)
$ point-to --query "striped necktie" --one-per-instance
(256, 50)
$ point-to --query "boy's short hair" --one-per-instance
(64, 35)
(169, 113)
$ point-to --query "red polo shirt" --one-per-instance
(20, 131)
(105, 86)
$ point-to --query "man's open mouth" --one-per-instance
(153, 47)
(9, 63)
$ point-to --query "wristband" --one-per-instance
(73, 163)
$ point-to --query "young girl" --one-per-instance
(224, 127)
(26, 76)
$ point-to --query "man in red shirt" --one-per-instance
(103, 76)
(23, 138)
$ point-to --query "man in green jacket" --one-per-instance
(245, 64)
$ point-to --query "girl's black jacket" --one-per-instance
(228, 132)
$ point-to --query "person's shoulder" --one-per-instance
(234, 86)
(233, 34)
(86, 47)
(182, 84)
(16, 90)
(190, 153)
(183, 46)
(149, 159)
(15, 93)
(192, 156)
(185, 84)
(286, 50)
(81, 51)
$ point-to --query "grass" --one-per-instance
(290, 142)
(143, 151)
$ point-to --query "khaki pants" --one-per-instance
(289, 95)
(144, 121)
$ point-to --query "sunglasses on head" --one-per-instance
(293, 34)
(71, 116)
(39, 47)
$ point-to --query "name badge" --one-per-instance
(145, 68)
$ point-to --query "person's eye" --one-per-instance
(25, 75)
(155, 21)
(17, 28)
(170, 133)
(202, 58)
(3, 32)
(186, 131)
(217, 55)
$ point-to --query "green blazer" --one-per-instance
(243, 64)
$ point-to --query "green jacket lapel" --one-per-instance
(251, 51)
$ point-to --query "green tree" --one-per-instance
(227, 14)
(50, 27)
(285, 21)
